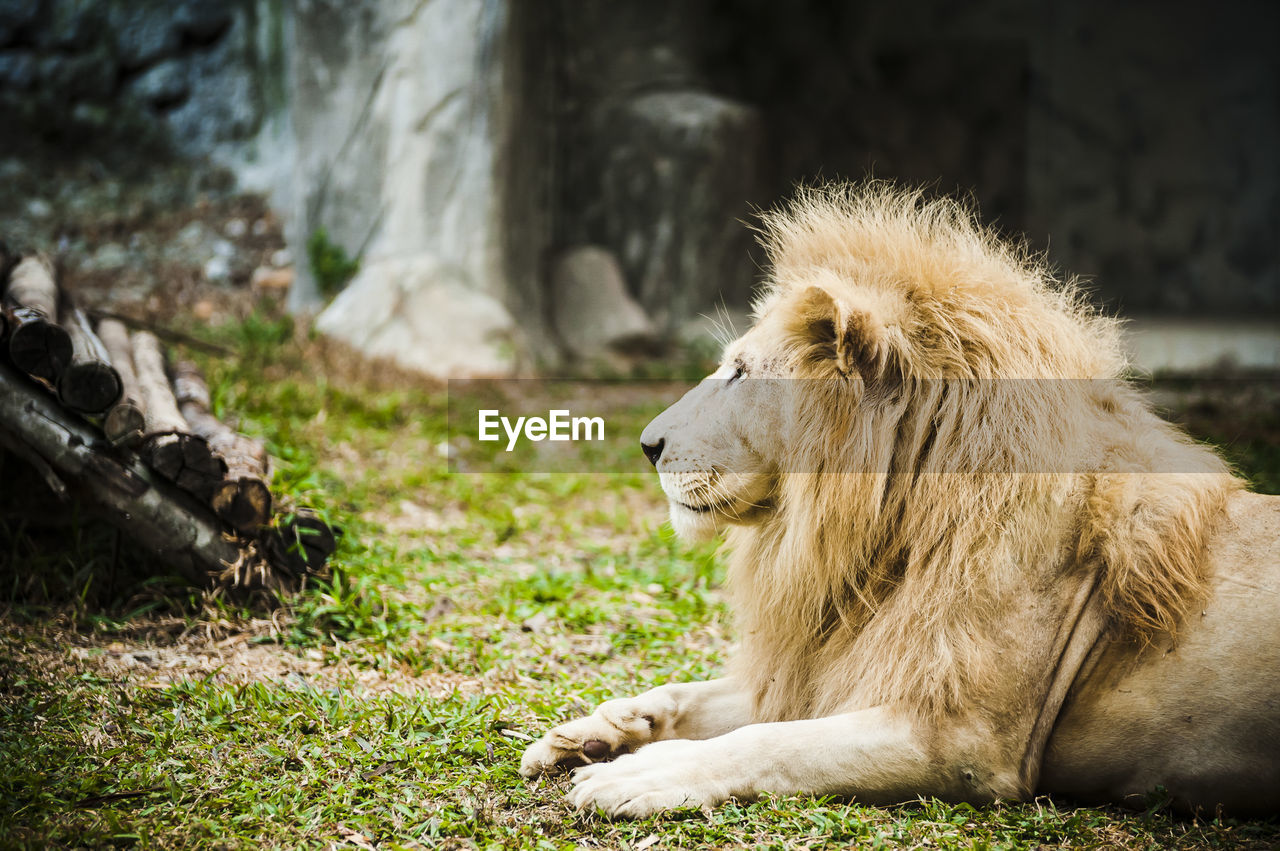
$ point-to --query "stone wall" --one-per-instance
(398, 126)
(653, 164)
(1133, 141)
(488, 154)
(124, 77)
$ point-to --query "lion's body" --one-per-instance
(1199, 716)
(960, 545)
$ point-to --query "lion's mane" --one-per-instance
(1003, 437)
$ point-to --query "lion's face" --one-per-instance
(718, 450)
(721, 450)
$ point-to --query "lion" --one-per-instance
(966, 559)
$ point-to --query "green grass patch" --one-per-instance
(330, 264)
(464, 612)
(200, 765)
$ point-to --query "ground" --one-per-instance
(387, 705)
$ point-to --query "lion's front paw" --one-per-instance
(617, 727)
(663, 776)
(561, 751)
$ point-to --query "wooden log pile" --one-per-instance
(101, 415)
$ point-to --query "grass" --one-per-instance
(330, 264)
(388, 705)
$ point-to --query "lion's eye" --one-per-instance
(739, 369)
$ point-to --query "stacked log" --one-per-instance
(149, 453)
(126, 422)
(70, 455)
(168, 444)
(241, 497)
(302, 541)
(37, 345)
(89, 384)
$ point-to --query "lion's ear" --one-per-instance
(851, 335)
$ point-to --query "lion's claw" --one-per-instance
(595, 749)
(616, 728)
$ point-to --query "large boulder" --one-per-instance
(426, 316)
(676, 180)
(594, 314)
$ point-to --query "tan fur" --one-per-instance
(919, 561)
(951, 525)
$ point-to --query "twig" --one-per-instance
(167, 334)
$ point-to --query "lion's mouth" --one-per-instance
(706, 509)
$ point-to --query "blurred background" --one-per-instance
(472, 187)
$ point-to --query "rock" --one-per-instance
(217, 269)
(537, 622)
(18, 70)
(674, 184)
(109, 257)
(271, 282)
(38, 208)
(398, 133)
(193, 234)
(89, 75)
(594, 313)
(426, 316)
(16, 15)
(201, 20)
(163, 86)
(143, 33)
(225, 102)
(92, 115)
(71, 24)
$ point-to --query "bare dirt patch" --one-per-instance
(208, 655)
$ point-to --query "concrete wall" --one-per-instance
(1134, 141)
(1153, 140)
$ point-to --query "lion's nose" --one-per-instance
(653, 451)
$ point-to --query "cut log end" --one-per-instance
(36, 344)
(125, 424)
(185, 460)
(245, 504)
(90, 387)
(40, 349)
(303, 542)
(89, 384)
